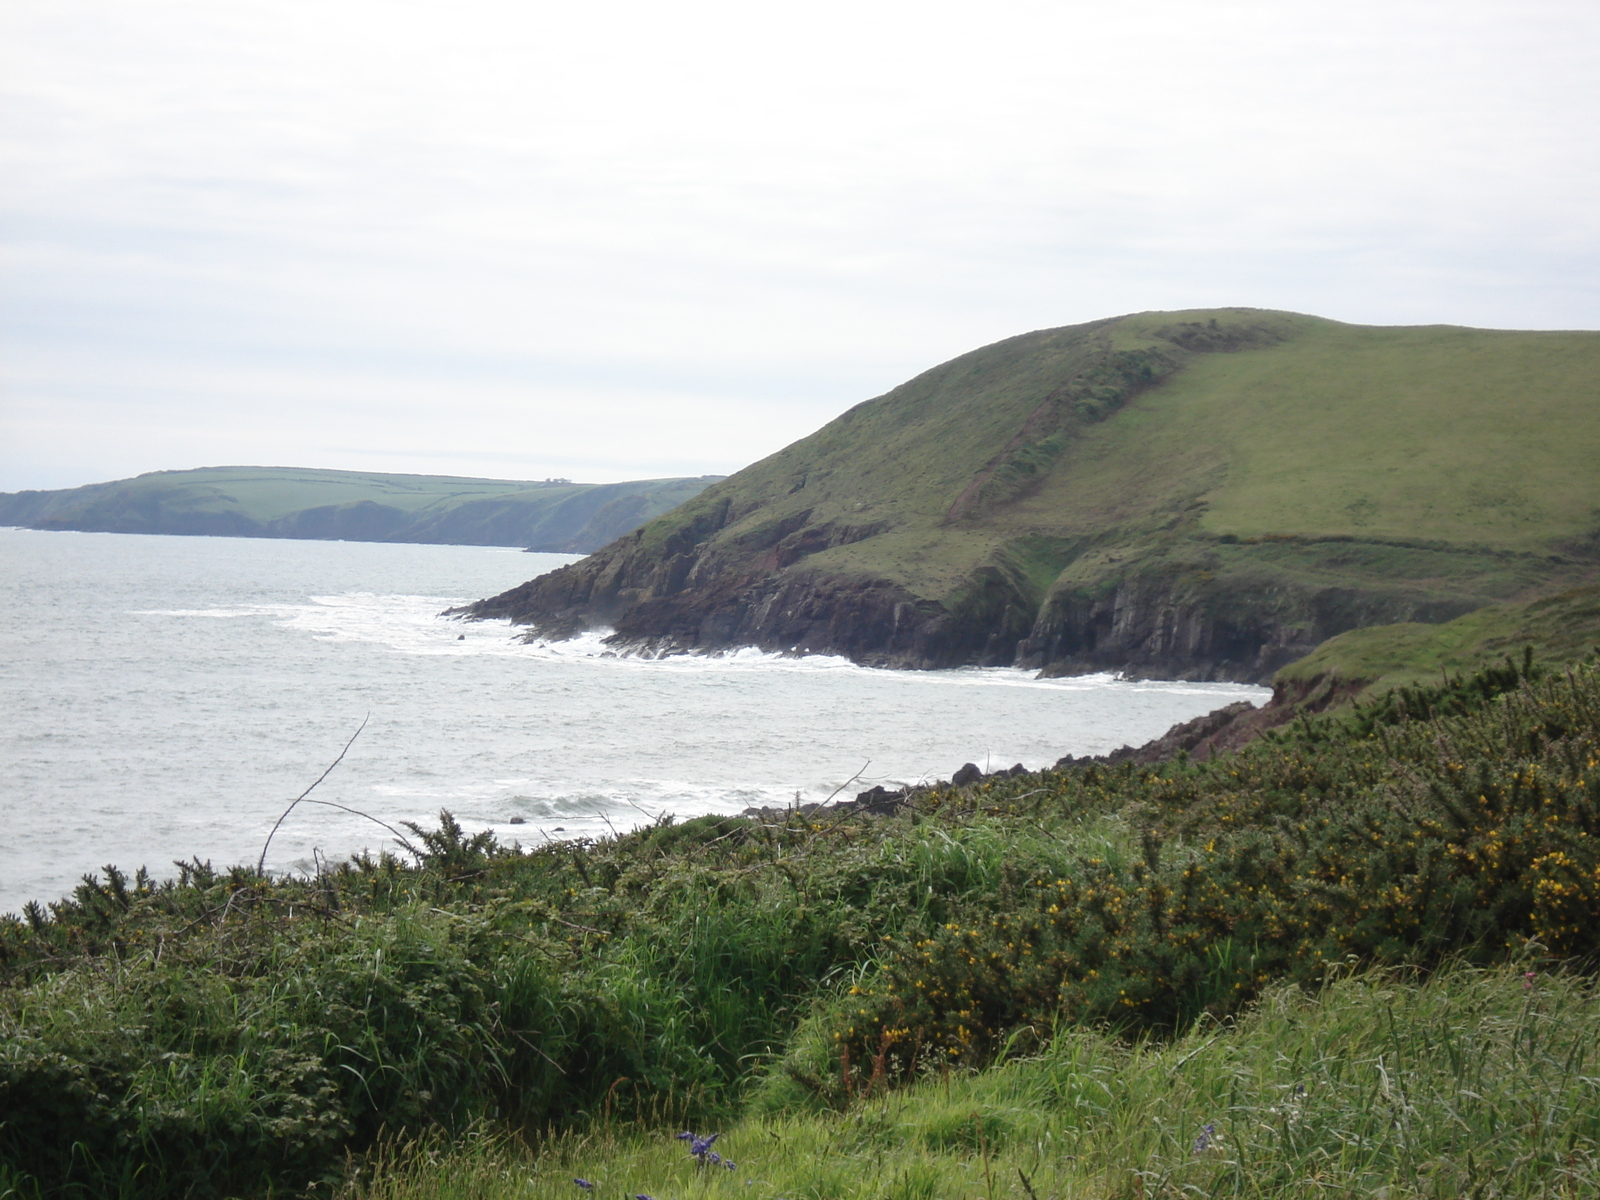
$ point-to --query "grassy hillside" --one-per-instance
(1193, 493)
(1405, 668)
(293, 502)
(1560, 629)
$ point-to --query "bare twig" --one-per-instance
(517, 1033)
(261, 863)
(581, 928)
(846, 783)
(640, 807)
(355, 812)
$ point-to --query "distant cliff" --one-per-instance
(1195, 494)
(286, 502)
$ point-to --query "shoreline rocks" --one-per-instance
(1202, 738)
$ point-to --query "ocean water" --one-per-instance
(164, 698)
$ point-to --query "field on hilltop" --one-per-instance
(1207, 493)
(290, 502)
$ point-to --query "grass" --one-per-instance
(1464, 1083)
(1321, 476)
(1462, 436)
(1561, 629)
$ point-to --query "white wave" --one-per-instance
(234, 611)
(412, 624)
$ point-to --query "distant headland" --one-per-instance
(552, 515)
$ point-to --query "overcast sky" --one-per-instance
(620, 240)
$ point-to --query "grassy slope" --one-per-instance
(266, 500)
(1377, 1085)
(1561, 629)
(1474, 439)
(1467, 437)
(265, 494)
(1471, 437)
(1425, 471)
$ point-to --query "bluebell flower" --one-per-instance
(584, 1184)
(728, 1162)
(700, 1149)
(1207, 1132)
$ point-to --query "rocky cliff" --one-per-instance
(1188, 495)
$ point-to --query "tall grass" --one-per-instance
(1471, 1083)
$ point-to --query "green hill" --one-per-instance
(1189, 494)
(1561, 630)
(289, 502)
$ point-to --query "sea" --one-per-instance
(166, 698)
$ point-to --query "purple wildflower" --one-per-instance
(584, 1184)
(1527, 981)
(700, 1149)
(642, 1196)
(728, 1162)
(1207, 1132)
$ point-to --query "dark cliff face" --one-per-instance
(1052, 502)
(1163, 628)
(1156, 626)
(687, 599)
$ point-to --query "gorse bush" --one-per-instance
(1471, 833)
(259, 1061)
(227, 1033)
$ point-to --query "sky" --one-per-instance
(623, 240)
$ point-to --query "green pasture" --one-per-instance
(266, 493)
(1286, 451)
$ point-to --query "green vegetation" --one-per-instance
(356, 506)
(1365, 663)
(1192, 493)
(1471, 1084)
(877, 1005)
